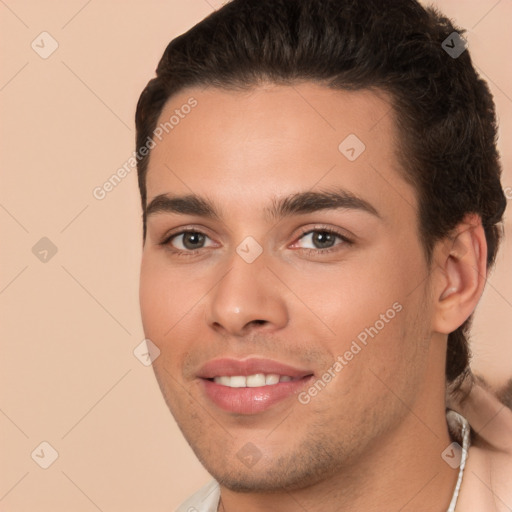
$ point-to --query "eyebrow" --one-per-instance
(281, 207)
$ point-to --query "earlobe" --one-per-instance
(462, 269)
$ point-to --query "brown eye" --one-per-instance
(322, 239)
(186, 241)
(193, 240)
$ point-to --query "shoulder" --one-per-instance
(487, 481)
(205, 499)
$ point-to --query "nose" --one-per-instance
(247, 297)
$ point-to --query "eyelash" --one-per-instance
(317, 229)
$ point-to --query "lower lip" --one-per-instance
(251, 400)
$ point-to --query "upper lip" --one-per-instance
(231, 367)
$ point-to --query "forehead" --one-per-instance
(276, 139)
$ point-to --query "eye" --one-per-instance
(322, 239)
(186, 241)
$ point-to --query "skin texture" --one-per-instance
(372, 438)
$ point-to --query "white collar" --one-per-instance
(456, 420)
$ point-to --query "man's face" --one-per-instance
(252, 298)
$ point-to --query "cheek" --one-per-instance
(172, 309)
(373, 307)
(165, 295)
(349, 298)
(153, 296)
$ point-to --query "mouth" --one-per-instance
(251, 386)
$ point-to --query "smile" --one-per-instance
(251, 386)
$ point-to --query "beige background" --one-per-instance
(69, 325)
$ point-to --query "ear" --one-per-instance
(461, 270)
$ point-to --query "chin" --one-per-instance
(269, 482)
(297, 470)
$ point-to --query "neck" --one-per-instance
(402, 470)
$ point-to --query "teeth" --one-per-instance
(271, 378)
(251, 381)
(225, 381)
(254, 381)
(238, 382)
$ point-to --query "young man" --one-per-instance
(321, 202)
